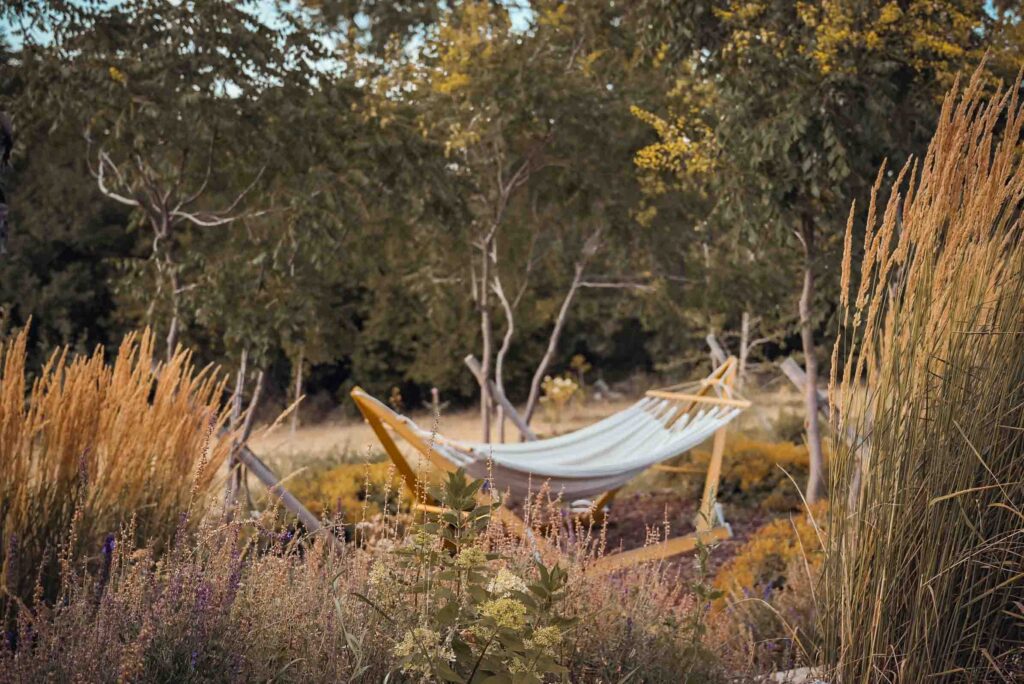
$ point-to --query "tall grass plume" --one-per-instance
(87, 447)
(926, 544)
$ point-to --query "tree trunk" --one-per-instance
(485, 334)
(172, 331)
(500, 399)
(162, 254)
(298, 393)
(499, 360)
(172, 336)
(815, 480)
(234, 469)
(741, 373)
(549, 353)
(718, 352)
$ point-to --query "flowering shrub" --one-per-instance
(358, 491)
(768, 589)
(558, 392)
(579, 364)
(432, 602)
(469, 621)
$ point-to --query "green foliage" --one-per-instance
(385, 131)
(357, 491)
(473, 622)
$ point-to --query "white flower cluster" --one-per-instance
(419, 647)
(560, 389)
(505, 582)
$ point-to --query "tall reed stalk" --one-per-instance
(925, 561)
(91, 446)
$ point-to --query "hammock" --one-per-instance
(598, 458)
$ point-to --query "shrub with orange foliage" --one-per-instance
(769, 594)
(758, 473)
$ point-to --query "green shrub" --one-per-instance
(462, 613)
(356, 491)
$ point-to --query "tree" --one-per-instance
(783, 111)
(180, 136)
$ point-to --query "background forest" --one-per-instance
(366, 191)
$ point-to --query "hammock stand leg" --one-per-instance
(394, 453)
(377, 422)
(709, 527)
(597, 513)
(706, 515)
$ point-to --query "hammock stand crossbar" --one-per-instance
(670, 405)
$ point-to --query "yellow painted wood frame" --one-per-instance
(708, 527)
(380, 421)
(716, 390)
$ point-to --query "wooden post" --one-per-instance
(718, 354)
(237, 479)
(265, 475)
(796, 375)
(499, 396)
(230, 487)
(744, 349)
(706, 515)
(298, 393)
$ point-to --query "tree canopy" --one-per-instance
(370, 190)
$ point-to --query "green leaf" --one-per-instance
(446, 672)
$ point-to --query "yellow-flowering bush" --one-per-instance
(762, 563)
(558, 392)
(756, 472)
(768, 591)
(353, 489)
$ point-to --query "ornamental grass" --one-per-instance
(86, 447)
(925, 573)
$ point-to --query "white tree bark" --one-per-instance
(549, 353)
(590, 248)
(718, 352)
(484, 302)
(294, 425)
(816, 476)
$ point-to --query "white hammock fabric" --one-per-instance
(595, 459)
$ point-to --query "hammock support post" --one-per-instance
(715, 393)
(709, 526)
(381, 422)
